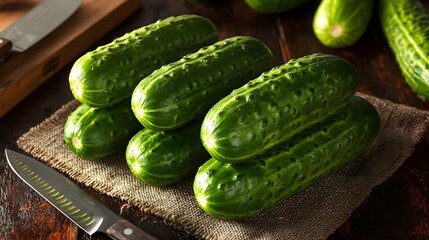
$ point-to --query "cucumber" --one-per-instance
(185, 90)
(274, 6)
(163, 158)
(339, 24)
(278, 104)
(93, 133)
(108, 75)
(405, 23)
(238, 191)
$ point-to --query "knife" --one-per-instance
(71, 200)
(36, 24)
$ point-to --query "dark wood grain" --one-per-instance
(5, 46)
(397, 209)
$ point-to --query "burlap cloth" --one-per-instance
(313, 214)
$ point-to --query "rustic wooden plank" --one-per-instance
(21, 73)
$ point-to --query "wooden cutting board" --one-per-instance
(21, 73)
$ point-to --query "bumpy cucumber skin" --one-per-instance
(186, 89)
(93, 133)
(341, 23)
(238, 191)
(108, 75)
(405, 23)
(164, 158)
(274, 6)
(278, 104)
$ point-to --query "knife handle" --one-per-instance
(124, 230)
(5, 46)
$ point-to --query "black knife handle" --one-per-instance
(5, 46)
(124, 230)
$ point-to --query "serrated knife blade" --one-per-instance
(71, 200)
(36, 24)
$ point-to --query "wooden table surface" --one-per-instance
(397, 209)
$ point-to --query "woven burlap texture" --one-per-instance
(313, 214)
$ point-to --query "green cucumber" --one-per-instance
(274, 6)
(163, 158)
(278, 104)
(185, 90)
(238, 191)
(341, 23)
(108, 75)
(93, 133)
(405, 23)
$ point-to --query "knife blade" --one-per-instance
(71, 200)
(36, 24)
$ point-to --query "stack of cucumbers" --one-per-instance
(103, 81)
(281, 132)
(171, 102)
(183, 103)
